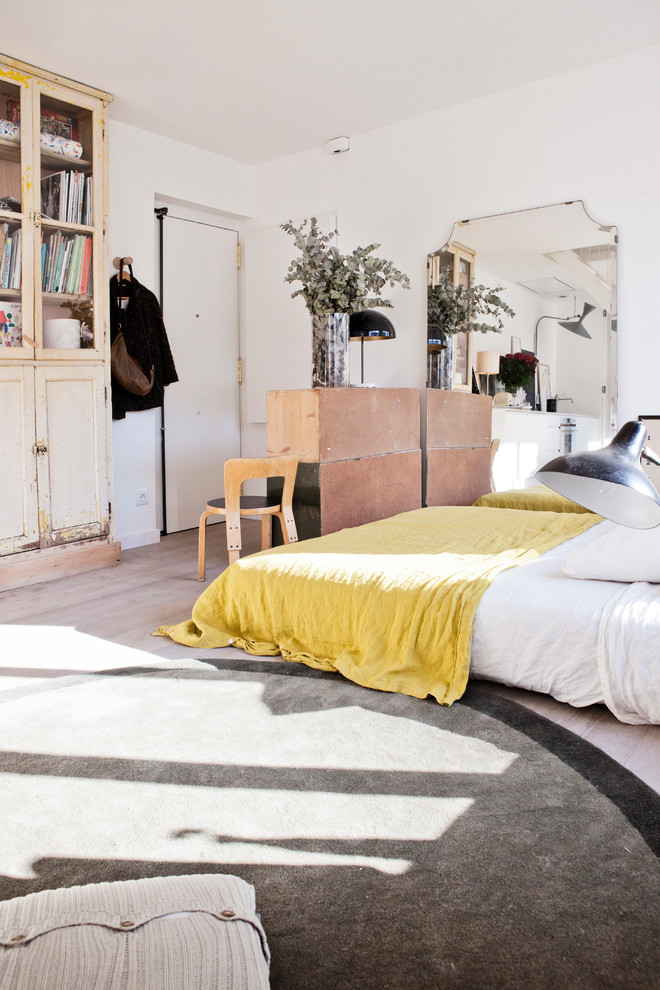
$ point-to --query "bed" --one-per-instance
(422, 601)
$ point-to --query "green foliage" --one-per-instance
(516, 370)
(454, 308)
(337, 283)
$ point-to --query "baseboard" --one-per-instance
(34, 566)
(129, 541)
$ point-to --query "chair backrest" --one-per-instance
(240, 469)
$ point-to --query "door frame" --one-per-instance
(200, 216)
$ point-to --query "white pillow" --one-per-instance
(620, 554)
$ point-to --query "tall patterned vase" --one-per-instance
(330, 368)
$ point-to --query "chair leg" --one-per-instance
(288, 526)
(266, 531)
(233, 518)
(201, 551)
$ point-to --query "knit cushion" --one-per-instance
(167, 933)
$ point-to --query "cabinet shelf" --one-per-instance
(64, 297)
(10, 151)
(77, 228)
(58, 162)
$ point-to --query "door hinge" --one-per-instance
(238, 254)
(105, 389)
(240, 371)
(109, 509)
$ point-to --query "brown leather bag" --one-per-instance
(126, 370)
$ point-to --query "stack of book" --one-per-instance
(10, 257)
(67, 196)
(66, 261)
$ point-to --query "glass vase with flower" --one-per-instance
(516, 373)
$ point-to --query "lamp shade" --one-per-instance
(577, 326)
(488, 362)
(609, 481)
(370, 325)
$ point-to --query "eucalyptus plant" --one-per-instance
(333, 282)
(453, 308)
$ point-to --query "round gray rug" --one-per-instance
(392, 843)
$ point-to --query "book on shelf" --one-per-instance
(67, 196)
(11, 257)
(15, 262)
(66, 263)
(6, 256)
(53, 196)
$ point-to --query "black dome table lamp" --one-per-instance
(369, 325)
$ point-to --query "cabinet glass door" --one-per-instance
(68, 191)
(15, 315)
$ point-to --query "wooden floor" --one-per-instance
(105, 619)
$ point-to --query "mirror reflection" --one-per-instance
(545, 281)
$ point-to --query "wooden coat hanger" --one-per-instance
(117, 262)
(122, 274)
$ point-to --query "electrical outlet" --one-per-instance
(141, 496)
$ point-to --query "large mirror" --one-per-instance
(553, 270)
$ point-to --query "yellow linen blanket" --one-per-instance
(539, 497)
(389, 604)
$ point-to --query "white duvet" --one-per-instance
(580, 641)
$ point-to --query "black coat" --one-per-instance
(146, 340)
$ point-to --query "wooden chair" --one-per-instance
(234, 505)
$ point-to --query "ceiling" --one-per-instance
(258, 80)
(554, 251)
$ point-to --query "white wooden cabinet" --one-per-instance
(530, 439)
(56, 496)
(52, 453)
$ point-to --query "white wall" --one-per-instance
(583, 135)
(145, 168)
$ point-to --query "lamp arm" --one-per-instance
(536, 329)
(536, 332)
(650, 457)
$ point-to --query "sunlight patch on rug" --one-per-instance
(73, 818)
(230, 722)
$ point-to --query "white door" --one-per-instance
(201, 411)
